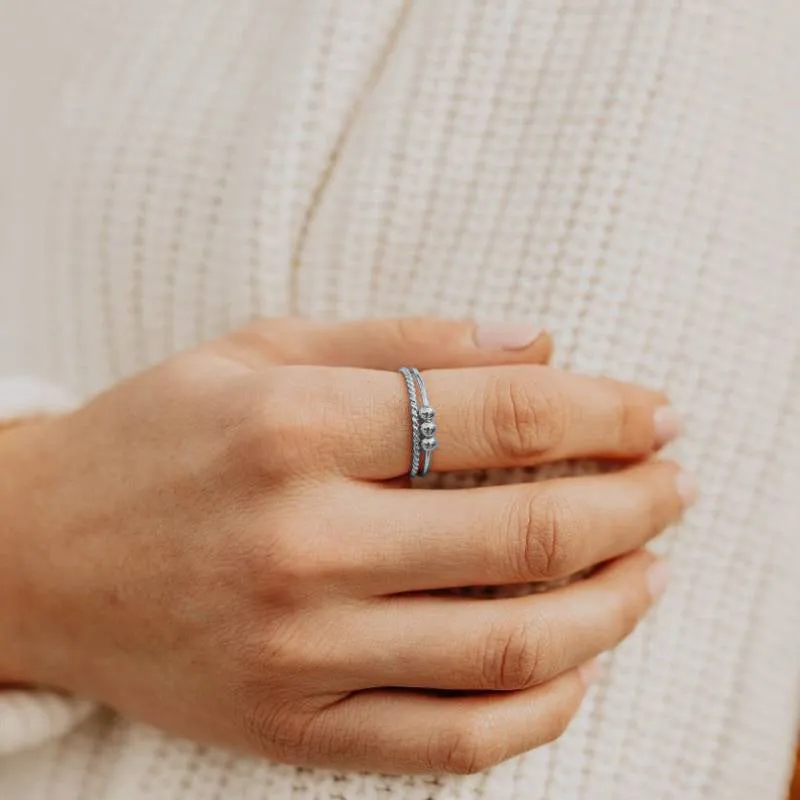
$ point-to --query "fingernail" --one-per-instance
(506, 335)
(688, 488)
(589, 672)
(657, 578)
(668, 424)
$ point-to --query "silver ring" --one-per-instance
(423, 425)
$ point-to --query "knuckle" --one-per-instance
(626, 614)
(269, 729)
(663, 503)
(278, 731)
(267, 554)
(523, 420)
(558, 723)
(654, 514)
(407, 330)
(633, 425)
(260, 337)
(287, 428)
(276, 653)
(276, 558)
(417, 332)
(271, 644)
(465, 749)
(549, 526)
(514, 658)
(261, 440)
(289, 574)
(258, 728)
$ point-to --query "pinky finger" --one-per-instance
(402, 732)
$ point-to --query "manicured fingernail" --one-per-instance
(688, 488)
(657, 578)
(506, 335)
(589, 672)
(668, 425)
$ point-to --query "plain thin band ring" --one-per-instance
(408, 377)
(423, 426)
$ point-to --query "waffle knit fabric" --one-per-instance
(627, 171)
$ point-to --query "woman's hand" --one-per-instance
(224, 546)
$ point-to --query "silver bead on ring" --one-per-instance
(423, 427)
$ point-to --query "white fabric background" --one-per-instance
(625, 170)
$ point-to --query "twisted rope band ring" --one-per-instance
(423, 426)
(408, 377)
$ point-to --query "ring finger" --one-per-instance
(506, 416)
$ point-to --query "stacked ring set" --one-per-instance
(423, 424)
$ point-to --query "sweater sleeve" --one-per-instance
(30, 717)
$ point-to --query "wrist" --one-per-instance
(20, 442)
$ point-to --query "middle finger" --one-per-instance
(514, 534)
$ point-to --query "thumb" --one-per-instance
(423, 342)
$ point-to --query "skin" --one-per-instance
(224, 545)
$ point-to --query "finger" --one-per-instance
(514, 534)
(400, 732)
(388, 344)
(505, 416)
(504, 644)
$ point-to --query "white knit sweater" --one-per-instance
(627, 171)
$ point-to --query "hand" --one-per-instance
(224, 545)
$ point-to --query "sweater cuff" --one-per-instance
(23, 397)
(29, 718)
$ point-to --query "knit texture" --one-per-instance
(626, 171)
